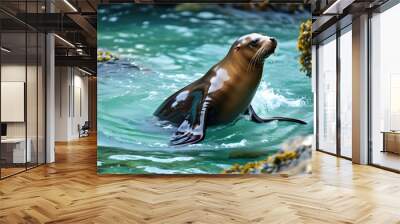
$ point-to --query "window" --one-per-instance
(346, 92)
(22, 101)
(327, 95)
(385, 89)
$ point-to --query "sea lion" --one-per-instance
(222, 94)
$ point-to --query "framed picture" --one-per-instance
(202, 89)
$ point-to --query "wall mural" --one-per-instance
(204, 89)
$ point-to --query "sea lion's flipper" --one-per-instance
(192, 129)
(254, 117)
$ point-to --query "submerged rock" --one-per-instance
(293, 158)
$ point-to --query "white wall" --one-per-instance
(81, 113)
(33, 127)
(10, 73)
(71, 102)
(62, 81)
(17, 73)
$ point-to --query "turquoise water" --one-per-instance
(162, 50)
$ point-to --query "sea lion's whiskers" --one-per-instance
(250, 65)
(255, 58)
(258, 55)
(264, 50)
(253, 61)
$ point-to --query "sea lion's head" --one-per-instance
(254, 47)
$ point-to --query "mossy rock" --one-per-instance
(304, 47)
(106, 56)
(284, 159)
(192, 7)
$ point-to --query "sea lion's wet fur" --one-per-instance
(222, 94)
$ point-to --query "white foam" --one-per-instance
(242, 143)
(186, 13)
(157, 144)
(120, 41)
(229, 136)
(194, 170)
(219, 22)
(113, 19)
(150, 158)
(194, 20)
(170, 126)
(206, 15)
(139, 46)
(150, 169)
(105, 37)
(272, 100)
(180, 29)
(152, 95)
(123, 35)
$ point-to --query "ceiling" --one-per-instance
(74, 21)
(330, 15)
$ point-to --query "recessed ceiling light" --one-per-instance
(84, 71)
(5, 50)
(65, 41)
(70, 5)
(337, 7)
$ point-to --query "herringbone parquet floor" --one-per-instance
(70, 191)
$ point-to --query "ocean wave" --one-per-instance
(169, 16)
(152, 169)
(272, 100)
(229, 136)
(158, 144)
(242, 143)
(150, 158)
(206, 15)
(113, 19)
(215, 50)
(186, 32)
(156, 170)
(194, 20)
(179, 77)
(165, 62)
(194, 170)
(119, 40)
(123, 35)
(151, 95)
(105, 37)
(139, 46)
(219, 22)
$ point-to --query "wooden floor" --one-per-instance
(386, 159)
(70, 191)
(5, 172)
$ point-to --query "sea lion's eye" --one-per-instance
(254, 42)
